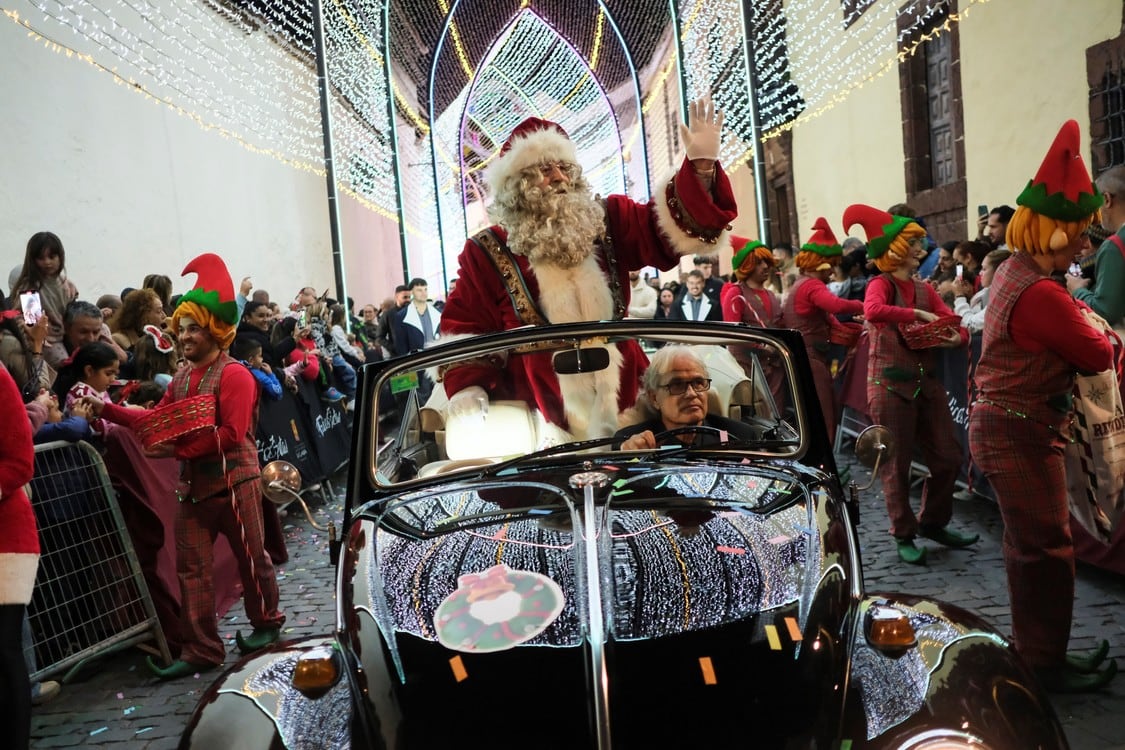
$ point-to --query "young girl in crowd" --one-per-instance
(95, 365)
(44, 271)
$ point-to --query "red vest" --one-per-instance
(754, 312)
(202, 478)
(890, 363)
(1036, 385)
(815, 328)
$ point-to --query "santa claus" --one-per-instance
(557, 254)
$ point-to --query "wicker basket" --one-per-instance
(846, 335)
(175, 420)
(919, 335)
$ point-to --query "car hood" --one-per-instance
(716, 589)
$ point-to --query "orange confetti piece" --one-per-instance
(459, 672)
(708, 670)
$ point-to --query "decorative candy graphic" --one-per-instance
(497, 610)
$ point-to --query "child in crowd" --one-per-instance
(95, 365)
(44, 271)
(249, 352)
(155, 357)
(48, 423)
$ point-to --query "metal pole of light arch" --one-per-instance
(329, 162)
(760, 186)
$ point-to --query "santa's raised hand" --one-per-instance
(703, 134)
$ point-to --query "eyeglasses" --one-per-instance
(679, 387)
(547, 168)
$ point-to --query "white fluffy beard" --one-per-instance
(557, 226)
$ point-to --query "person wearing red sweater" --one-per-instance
(220, 487)
(19, 561)
(903, 392)
(748, 301)
(1035, 338)
(812, 309)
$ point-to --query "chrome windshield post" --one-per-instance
(588, 481)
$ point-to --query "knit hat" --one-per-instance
(744, 246)
(534, 141)
(211, 302)
(1062, 188)
(880, 226)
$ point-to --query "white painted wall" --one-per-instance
(133, 188)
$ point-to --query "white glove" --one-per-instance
(468, 402)
(703, 133)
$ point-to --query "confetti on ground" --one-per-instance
(142, 731)
(129, 710)
(121, 696)
(99, 730)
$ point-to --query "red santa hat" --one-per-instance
(534, 141)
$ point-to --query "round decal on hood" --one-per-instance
(497, 609)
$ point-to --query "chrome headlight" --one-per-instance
(944, 739)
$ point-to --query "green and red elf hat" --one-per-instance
(214, 290)
(822, 241)
(743, 247)
(881, 227)
(1062, 188)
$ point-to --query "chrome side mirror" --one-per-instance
(281, 485)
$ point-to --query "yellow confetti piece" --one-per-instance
(708, 670)
(773, 637)
(794, 630)
(459, 672)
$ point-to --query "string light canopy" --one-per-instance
(457, 75)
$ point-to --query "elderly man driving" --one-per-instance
(674, 396)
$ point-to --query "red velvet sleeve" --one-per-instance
(238, 395)
(16, 448)
(878, 304)
(1046, 318)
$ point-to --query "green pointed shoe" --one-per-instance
(1066, 680)
(259, 639)
(178, 668)
(949, 537)
(910, 554)
(1089, 662)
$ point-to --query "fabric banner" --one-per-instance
(282, 435)
(328, 427)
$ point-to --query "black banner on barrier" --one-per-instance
(957, 367)
(282, 435)
(327, 425)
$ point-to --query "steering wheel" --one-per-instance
(694, 430)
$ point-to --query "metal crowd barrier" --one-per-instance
(90, 596)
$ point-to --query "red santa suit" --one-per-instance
(687, 218)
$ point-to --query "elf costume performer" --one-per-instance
(1035, 338)
(748, 301)
(903, 392)
(19, 561)
(559, 255)
(220, 488)
(812, 309)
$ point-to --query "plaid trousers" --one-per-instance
(924, 423)
(1024, 463)
(197, 524)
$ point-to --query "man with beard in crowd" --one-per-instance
(552, 238)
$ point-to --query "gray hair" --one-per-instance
(661, 363)
(1112, 181)
(79, 309)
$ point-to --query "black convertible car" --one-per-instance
(502, 583)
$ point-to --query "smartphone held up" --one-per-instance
(32, 307)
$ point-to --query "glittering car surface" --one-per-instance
(499, 581)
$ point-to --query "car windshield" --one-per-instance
(505, 403)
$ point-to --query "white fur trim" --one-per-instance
(17, 577)
(536, 147)
(571, 295)
(682, 242)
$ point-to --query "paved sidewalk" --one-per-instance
(118, 705)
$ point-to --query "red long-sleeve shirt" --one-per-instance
(238, 392)
(813, 295)
(879, 306)
(1046, 318)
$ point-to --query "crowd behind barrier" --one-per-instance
(106, 515)
(955, 370)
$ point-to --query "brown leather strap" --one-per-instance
(526, 309)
